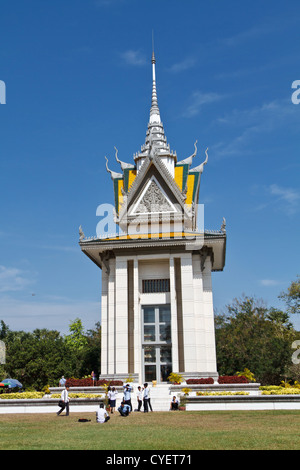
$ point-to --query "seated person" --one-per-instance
(101, 414)
(124, 409)
(174, 403)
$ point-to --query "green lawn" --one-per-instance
(190, 430)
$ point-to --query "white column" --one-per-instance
(104, 322)
(174, 329)
(121, 325)
(137, 321)
(189, 337)
(111, 319)
(209, 318)
(199, 316)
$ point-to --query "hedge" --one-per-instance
(232, 379)
(88, 382)
(224, 379)
(209, 380)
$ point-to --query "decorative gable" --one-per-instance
(153, 200)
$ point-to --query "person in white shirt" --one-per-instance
(146, 398)
(64, 401)
(112, 395)
(102, 415)
(139, 398)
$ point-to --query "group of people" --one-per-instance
(102, 416)
(143, 398)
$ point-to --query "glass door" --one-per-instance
(156, 341)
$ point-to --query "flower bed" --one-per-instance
(232, 379)
(282, 391)
(206, 394)
(88, 382)
(207, 381)
(78, 395)
(21, 395)
(224, 379)
(39, 395)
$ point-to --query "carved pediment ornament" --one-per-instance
(153, 201)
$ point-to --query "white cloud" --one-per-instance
(185, 64)
(287, 198)
(289, 195)
(133, 57)
(198, 99)
(278, 198)
(251, 122)
(269, 282)
(13, 279)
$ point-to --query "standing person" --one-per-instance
(108, 391)
(146, 397)
(101, 414)
(127, 395)
(65, 401)
(149, 400)
(93, 375)
(139, 398)
(112, 394)
(62, 381)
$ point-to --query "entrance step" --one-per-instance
(160, 397)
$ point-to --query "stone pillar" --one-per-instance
(104, 322)
(199, 315)
(137, 321)
(188, 316)
(121, 322)
(111, 318)
(209, 325)
(174, 328)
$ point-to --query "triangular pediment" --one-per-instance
(153, 199)
(154, 193)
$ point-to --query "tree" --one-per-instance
(248, 335)
(76, 343)
(36, 359)
(292, 297)
(92, 353)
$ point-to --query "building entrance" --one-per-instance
(156, 342)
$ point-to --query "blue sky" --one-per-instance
(78, 83)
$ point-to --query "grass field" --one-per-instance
(197, 430)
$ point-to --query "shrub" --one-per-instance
(78, 395)
(207, 381)
(186, 390)
(88, 382)
(174, 378)
(283, 391)
(110, 383)
(217, 394)
(21, 395)
(232, 379)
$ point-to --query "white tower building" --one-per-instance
(157, 302)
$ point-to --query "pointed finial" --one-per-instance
(153, 56)
(154, 111)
